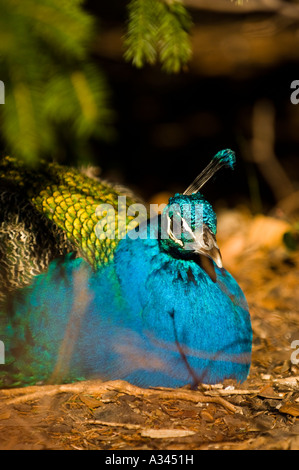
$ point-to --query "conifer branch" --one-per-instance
(158, 30)
(141, 34)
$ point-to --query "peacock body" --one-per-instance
(90, 290)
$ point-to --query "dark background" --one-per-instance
(169, 126)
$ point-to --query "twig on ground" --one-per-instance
(97, 387)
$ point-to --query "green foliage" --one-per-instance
(158, 31)
(50, 83)
(56, 99)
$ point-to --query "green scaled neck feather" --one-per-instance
(48, 212)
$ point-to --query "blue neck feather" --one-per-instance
(158, 307)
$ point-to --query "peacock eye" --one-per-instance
(176, 225)
(171, 223)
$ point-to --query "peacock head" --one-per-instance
(188, 222)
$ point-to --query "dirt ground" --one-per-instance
(261, 413)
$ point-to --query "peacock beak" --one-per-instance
(214, 254)
(204, 243)
(206, 258)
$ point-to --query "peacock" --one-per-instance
(94, 284)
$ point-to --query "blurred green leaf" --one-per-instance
(55, 97)
(84, 94)
(49, 78)
(141, 37)
(158, 30)
(174, 40)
